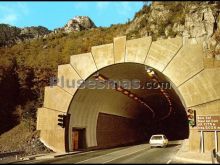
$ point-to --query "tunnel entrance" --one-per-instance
(113, 117)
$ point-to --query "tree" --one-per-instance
(10, 89)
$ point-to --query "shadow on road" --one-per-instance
(172, 145)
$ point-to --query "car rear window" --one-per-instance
(156, 137)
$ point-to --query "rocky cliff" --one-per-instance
(194, 21)
(10, 35)
(78, 23)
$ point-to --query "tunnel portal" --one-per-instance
(103, 118)
(120, 118)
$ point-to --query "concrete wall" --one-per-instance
(97, 101)
(137, 49)
(162, 51)
(105, 51)
(112, 130)
(184, 65)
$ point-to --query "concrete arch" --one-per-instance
(197, 85)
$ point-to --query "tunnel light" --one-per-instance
(131, 95)
(150, 72)
(100, 77)
(135, 98)
(120, 89)
(145, 104)
(142, 102)
(139, 99)
(96, 75)
(148, 69)
(126, 92)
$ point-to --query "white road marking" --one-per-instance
(169, 162)
(108, 157)
(123, 156)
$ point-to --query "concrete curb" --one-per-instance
(56, 155)
(47, 156)
(31, 157)
(192, 160)
(69, 153)
(40, 157)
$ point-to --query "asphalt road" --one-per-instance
(130, 154)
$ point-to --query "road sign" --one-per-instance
(208, 123)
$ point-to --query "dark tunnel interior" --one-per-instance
(123, 120)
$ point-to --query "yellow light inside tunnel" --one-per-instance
(131, 95)
(101, 78)
(142, 102)
(120, 89)
(135, 98)
(126, 92)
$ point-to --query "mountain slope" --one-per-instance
(10, 35)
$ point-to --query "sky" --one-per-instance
(56, 14)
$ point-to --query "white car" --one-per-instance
(158, 141)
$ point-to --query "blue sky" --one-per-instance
(56, 14)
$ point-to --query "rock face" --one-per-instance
(194, 21)
(201, 26)
(34, 32)
(79, 23)
(10, 35)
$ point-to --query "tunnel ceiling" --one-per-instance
(113, 102)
